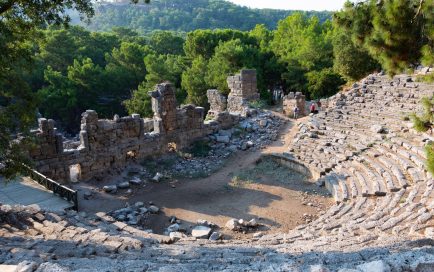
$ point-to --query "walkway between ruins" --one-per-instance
(25, 191)
(217, 199)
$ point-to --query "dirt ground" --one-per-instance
(245, 187)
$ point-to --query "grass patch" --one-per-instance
(429, 78)
(264, 167)
(258, 104)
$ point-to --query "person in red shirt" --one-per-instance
(312, 108)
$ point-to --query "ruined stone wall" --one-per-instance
(217, 102)
(291, 100)
(243, 89)
(107, 145)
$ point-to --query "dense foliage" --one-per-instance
(397, 33)
(185, 16)
(424, 123)
(62, 71)
(17, 102)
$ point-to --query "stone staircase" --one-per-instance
(371, 161)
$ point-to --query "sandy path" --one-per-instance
(277, 204)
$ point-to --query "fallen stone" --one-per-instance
(136, 181)
(87, 195)
(201, 232)
(176, 235)
(222, 139)
(139, 204)
(157, 177)
(378, 129)
(375, 266)
(51, 267)
(202, 222)
(318, 268)
(215, 236)
(425, 267)
(252, 223)
(154, 209)
(110, 189)
(26, 266)
(232, 224)
(173, 228)
(225, 133)
(123, 185)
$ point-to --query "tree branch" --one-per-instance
(6, 6)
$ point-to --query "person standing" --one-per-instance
(312, 108)
(296, 110)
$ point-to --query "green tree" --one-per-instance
(228, 59)
(160, 68)
(66, 97)
(140, 102)
(17, 103)
(397, 33)
(193, 81)
(166, 42)
(351, 61)
(125, 66)
(324, 83)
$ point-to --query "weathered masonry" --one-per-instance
(109, 144)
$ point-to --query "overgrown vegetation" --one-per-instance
(62, 71)
(424, 123)
(185, 16)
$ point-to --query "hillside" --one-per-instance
(178, 15)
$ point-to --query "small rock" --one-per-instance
(257, 234)
(378, 129)
(87, 195)
(318, 268)
(249, 144)
(136, 181)
(124, 185)
(202, 222)
(375, 266)
(232, 224)
(263, 123)
(143, 210)
(157, 177)
(215, 236)
(139, 204)
(241, 222)
(201, 232)
(225, 133)
(222, 139)
(252, 223)
(176, 235)
(173, 228)
(110, 189)
(154, 209)
(26, 266)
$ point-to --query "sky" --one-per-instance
(293, 4)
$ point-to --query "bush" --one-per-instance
(199, 148)
(323, 83)
(429, 150)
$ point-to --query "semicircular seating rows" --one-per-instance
(366, 153)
